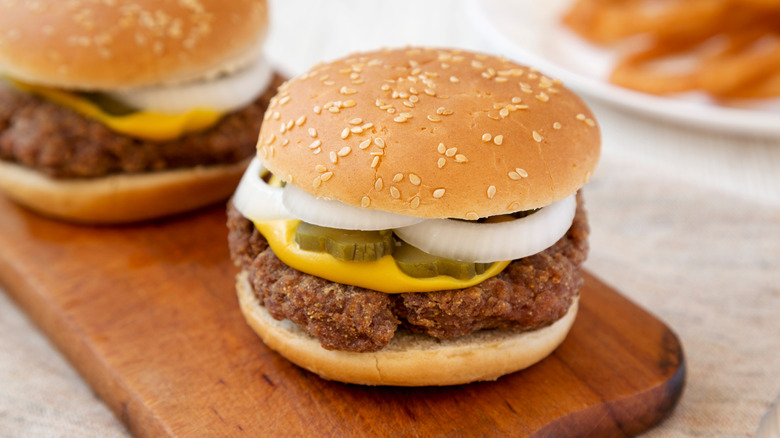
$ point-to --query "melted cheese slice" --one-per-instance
(382, 275)
(142, 124)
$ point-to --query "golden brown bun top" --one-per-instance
(430, 133)
(99, 44)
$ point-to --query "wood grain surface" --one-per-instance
(149, 317)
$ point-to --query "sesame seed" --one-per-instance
(433, 118)
(454, 79)
(329, 82)
(343, 152)
(356, 121)
(367, 126)
(378, 184)
(290, 124)
(285, 142)
(486, 137)
(460, 158)
(391, 110)
(472, 216)
(504, 112)
(317, 182)
(429, 92)
(516, 100)
(414, 179)
(356, 130)
(399, 119)
(395, 193)
(415, 202)
(441, 162)
(384, 87)
(406, 115)
(521, 172)
(412, 90)
(317, 109)
(284, 100)
(375, 162)
(537, 137)
(498, 139)
(350, 103)
(365, 202)
(542, 97)
(514, 175)
(491, 192)
(581, 117)
(440, 110)
(270, 139)
(451, 152)
(365, 144)
(317, 151)
(315, 144)
(320, 168)
(500, 79)
(408, 104)
(326, 176)
(441, 148)
(438, 193)
(334, 109)
(301, 120)
(590, 122)
(557, 125)
(380, 142)
(398, 177)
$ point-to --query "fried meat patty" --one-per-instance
(62, 143)
(530, 293)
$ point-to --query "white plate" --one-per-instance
(530, 31)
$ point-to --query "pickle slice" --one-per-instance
(108, 104)
(350, 245)
(419, 264)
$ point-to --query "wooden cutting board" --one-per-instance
(149, 317)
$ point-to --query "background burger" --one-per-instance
(412, 218)
(128, 110)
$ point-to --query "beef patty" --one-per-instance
(62, 143)
(530, 293)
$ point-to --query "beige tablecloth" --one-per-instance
(684, 222)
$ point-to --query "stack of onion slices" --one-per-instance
(455, 239)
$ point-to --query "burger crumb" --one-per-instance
(531, 293)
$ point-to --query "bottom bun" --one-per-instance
(120, 198)
(410, 359)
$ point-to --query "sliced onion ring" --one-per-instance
(222, 94)
(490, 242)
(255, 199)
(336, 214)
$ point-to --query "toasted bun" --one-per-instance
(410, 359)
(120, 198)
(430, 133)
(125, 43)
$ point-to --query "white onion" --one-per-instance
(336, 214)
(255, 199)
(490, 242)
(223, 94)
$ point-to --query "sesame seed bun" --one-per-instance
(410, 359)
(120, 198)
(126, 43)
(430, 133)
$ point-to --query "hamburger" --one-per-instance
(126, 110)
(413, 218)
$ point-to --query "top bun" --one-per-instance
(99, 45)
(430, 133)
